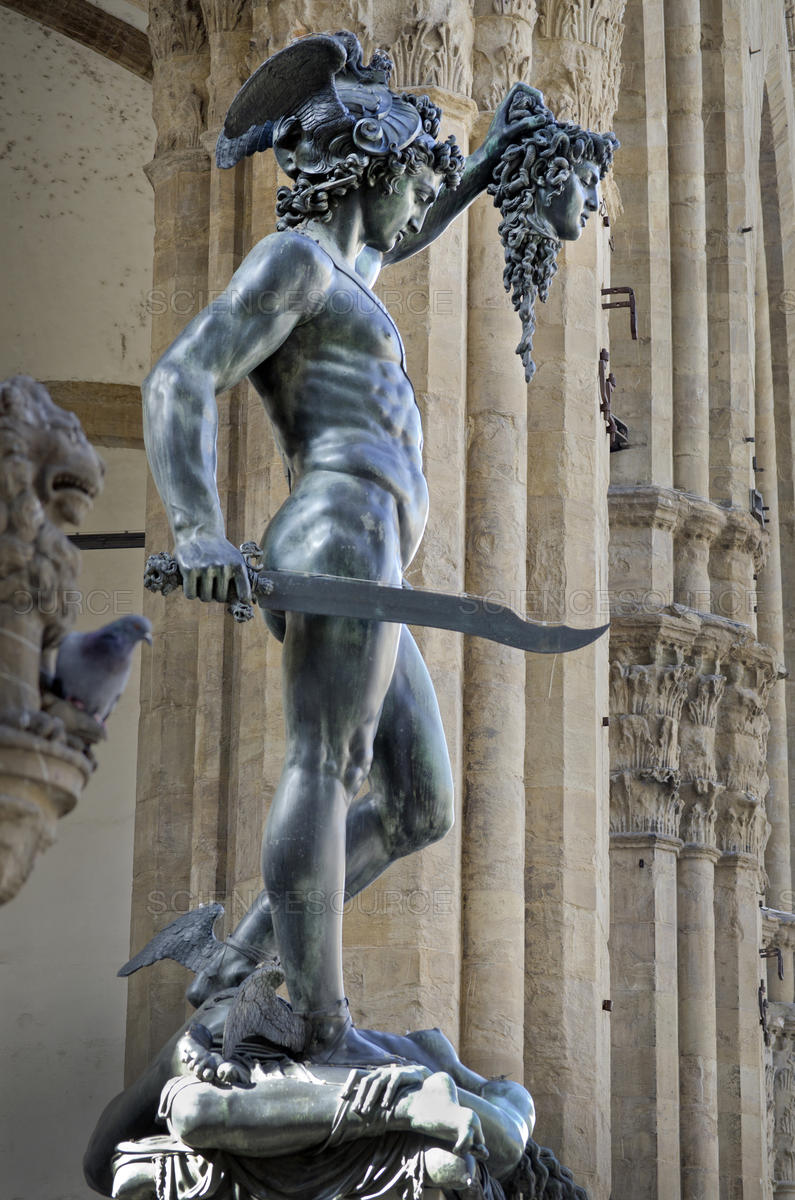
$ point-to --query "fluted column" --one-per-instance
(408, 932)
(576, 63)
(698, 527)
(781, 1098)
(688, 246)
(770, 624)
(641, 256)
(699, 786)
(162, 873)
(650, 680)
(742, 830)
(730, 275)
(492, 984)
(736, 556)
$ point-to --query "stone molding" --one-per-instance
(187, 158)
(645, 841)
(742, 534)
(645, 505)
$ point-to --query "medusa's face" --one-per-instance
(570, 209)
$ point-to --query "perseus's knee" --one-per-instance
(428, 822)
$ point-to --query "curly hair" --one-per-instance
(313, 197)
(541, 163)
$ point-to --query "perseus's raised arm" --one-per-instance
(267, 297)
(477, 174)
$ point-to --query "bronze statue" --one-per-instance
(372, 185)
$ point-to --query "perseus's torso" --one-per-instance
(339, 400)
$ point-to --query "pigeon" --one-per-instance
(92, 669)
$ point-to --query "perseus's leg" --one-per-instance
(408, 805)
(336, 673)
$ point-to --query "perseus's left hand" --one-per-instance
(517, 116)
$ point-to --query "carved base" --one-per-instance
(40, 781)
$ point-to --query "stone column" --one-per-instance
(492, 984)
(576, 63)
(699, 524)
(403, 941)
(162, 878)
(698, 1098)
(742, 829)
(642, 521)
(649, 685)
(688, 246)
(730, 275)
(221, 643)
(737, 555)
(641, 256)
(770, 623)
(781, 1099)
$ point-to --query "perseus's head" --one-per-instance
(335, 126)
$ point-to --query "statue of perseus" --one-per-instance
(371, 186)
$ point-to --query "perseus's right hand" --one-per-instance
(212, 569)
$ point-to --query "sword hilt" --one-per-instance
(162, 574)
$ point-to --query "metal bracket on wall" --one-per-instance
(774, 952)
(763, 1007)
(758, 506)
(619, 433)
(628, 303)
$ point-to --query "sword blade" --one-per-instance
(333, 596)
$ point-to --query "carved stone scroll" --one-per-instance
(49, 477)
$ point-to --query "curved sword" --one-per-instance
(334, 596)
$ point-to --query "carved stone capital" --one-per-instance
(503, 48)
(430, 53)
(698, 519)
(162, 169)
(176, 27)
(224, 15)
(743, 535)
(646, 700)
(645, 505)
(577, 58)
(780, 1075)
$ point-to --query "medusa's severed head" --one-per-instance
(545, 187)
(334, 125)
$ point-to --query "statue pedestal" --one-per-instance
(40, 781)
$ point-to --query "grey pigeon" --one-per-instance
(92, 669)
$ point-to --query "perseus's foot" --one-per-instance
(332, 1038)
(228, 967)
(196, 1052)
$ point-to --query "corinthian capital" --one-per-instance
(429, 53)
(646, 701)
(176, 27)
(503, 48)
(577, 58)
